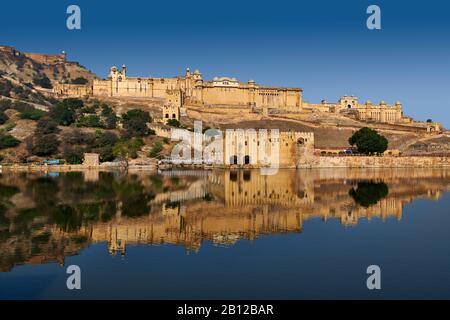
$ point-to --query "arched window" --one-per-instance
(173, 116)
(167, 115)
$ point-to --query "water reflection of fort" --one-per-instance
(226, 206)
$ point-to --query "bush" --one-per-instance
(135, 122)
(22, 106)
(46, 126)
(173, 123)
(3, 117)
(5, 104)
(44, 145)
(73, 103)
(5, 87)
(368, 141)
(35, 114)
(109, 117)
(156, 149)
(74, 156)
(77, 137)
(62, 114)
(88, 110)
(8, 141)
(128, 148)
(91, 121)
(80, 80)
(103, 145)
(9, 126)
(42, 81)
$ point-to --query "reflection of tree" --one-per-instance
(6, 192)
(369, 193)
(71, 202)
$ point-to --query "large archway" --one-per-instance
(233, 159)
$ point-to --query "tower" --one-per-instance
(124, 71)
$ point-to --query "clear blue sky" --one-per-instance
(321, 46)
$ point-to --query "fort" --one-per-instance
(38, 57)
(191, 89)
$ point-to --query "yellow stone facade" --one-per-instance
(192, 89)
(382, 112)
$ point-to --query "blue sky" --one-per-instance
(321, 46)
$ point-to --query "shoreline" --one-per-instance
(311, 163)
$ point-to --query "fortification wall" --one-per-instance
(72, 90)
(378, 162)
(46, 58)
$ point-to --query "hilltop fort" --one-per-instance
(307, 130)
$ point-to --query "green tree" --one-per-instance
(92, 121)
(80, 80)
(62, 114)
(3, 117)
(109, 117)
(34, 114)
(124, 150)
(45, 145)
(173, 123)
(8, 141)
(135, 122)
(368, 141)
(73, 103)
(74, 155)
(156, 149)
(46, 126)
(103, 145)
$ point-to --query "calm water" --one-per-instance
(222, 234)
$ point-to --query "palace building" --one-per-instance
(227, 92)
(191, 88)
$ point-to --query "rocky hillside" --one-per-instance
(22, 68)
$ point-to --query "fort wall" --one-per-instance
(378, 162)
(46, 58)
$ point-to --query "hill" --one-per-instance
(30, 68)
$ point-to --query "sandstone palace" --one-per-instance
(192, 89)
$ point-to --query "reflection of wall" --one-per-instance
(250, 187)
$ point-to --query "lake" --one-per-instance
(221, 234)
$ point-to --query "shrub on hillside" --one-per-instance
(73, 103)
(42, 81)
(3, 117)
(80, 80)
(34, 114)
(135, 122)
(90, 121)
(62, 114)
(46, 126)
(44, 145)
(156, 149)
(8, 141)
